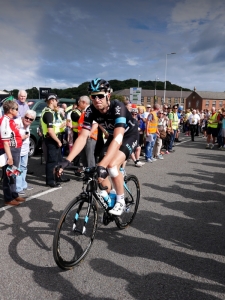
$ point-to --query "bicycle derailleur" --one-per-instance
(107, 219)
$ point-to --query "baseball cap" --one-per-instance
(134, 110)
(148, 105)
(51, 96)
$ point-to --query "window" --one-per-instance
(149, 99)
(169, 101)
(181, 100)
(214, 103)
(221, 103)
(207, 103)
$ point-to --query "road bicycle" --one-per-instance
(77, 226)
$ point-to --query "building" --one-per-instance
(148, 97)
(205, 100)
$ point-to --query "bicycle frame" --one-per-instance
(92, 191)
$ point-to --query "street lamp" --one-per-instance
(164, 96)
(138, 80)
(156, 79)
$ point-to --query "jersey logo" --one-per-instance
(117, 110)
(88, 111)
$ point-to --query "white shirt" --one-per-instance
(26, 143)
(193, 119)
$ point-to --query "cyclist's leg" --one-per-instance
(117, 179)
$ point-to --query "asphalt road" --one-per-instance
(175, 248)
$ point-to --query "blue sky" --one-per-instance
(62, 44)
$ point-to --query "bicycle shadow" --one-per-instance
(31, 249)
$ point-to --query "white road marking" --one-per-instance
(32, 197)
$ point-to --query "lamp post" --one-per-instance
(156, 79)
(164, 96)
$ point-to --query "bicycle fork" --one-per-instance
(86, 218)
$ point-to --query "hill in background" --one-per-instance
(76, 92)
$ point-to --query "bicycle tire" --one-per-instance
(71, 246)
(132, 198)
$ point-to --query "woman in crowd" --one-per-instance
(10, 144)
(24, 125)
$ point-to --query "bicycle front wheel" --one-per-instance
(132, 197)
(75, 232)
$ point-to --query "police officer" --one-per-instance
(51, 131)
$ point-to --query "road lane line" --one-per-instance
(31, 197)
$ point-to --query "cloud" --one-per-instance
(66, 43)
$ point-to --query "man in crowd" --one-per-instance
(22, 104)
(212, 130)
(51, 138)
(193, 120)
(173, 125)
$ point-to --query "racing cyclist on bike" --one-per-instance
(114, 117)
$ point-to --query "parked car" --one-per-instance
(38, 105)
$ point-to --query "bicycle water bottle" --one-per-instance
(112, 196)
(122, 171)
(105, 196)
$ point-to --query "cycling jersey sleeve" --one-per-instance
(88, 118)
(120, 112)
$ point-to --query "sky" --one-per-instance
(61, 44)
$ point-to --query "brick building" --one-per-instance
(205, 100)
(147, 97)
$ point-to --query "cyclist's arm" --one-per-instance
(113, 147)
(79, 144)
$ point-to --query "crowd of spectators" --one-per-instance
(159, 130)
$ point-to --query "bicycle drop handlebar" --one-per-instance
(88, 172)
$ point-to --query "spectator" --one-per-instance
(223, 130)
(22, 104)
(186, 122)
(88, 152)
(151, 133)
(10, 144)
(212, 128)
(146, 113)
(204, 126)
(136, 154)
(173, 124)
(158, 143)
(193, 120)
(51, 139)
(25, 122)
(69, 125)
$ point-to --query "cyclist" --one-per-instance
(114, 117)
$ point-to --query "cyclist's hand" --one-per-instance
(61, 166)
(102, 173)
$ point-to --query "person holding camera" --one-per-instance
(24, 128)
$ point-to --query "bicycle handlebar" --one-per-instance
(87, 172)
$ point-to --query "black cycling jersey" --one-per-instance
(116, 116)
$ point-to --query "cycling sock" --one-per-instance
(120, 198)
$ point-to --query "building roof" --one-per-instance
(159, 93)
(211, 95)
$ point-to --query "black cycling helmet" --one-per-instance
(51, 96)
(98, 85)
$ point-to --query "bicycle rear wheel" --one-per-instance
(71, 245)
(132, 197)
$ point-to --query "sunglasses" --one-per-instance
(99, 96)
(133, 114)
(15, 108)
(30, 119)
